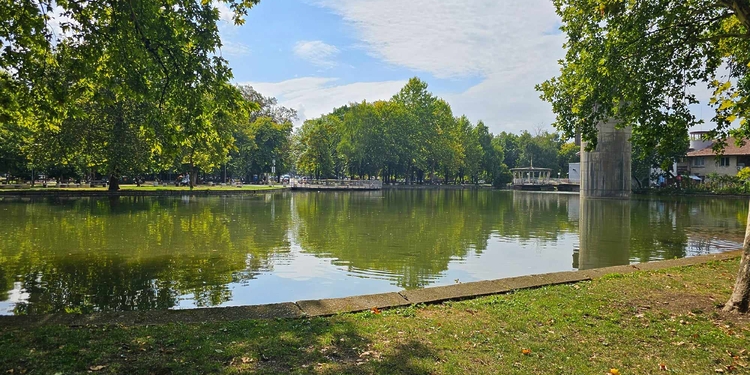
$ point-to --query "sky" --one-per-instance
(483, 57)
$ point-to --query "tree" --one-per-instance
(419, 104)
(508, 142)
(361, 138)
(263, 138)
(143, 52)
(259, 144)
(492, 152)
(635, 62)
(318, 140)
(568, 153)
(473, 153)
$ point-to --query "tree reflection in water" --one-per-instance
(140, 253)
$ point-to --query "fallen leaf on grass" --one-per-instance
(370, 353)
(526, 351)
(375, 310)
(614, 371)
(97, 368)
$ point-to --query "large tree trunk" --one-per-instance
(193, 176)
(740, 298)
(114, 182)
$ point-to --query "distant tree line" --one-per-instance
(415, 138)
(412, 138)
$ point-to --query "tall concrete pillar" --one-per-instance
(605, 172)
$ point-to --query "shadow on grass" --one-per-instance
(322, 346)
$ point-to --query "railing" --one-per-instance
(338, 184)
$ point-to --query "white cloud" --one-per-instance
(316, 52)
(510, 45)
(315, 96)
(225, 13)
(234, 48)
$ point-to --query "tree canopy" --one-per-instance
(641, 62)
(127, 82)
(413, 137)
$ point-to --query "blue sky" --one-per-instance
(483, 56)
(270, 53)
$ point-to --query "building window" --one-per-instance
(724, 162)
(699, 162)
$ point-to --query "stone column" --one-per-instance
(605, 172)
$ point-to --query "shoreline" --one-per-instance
(439, 187)
(353, 304)
(135, 192)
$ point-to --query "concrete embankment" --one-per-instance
(333, 306)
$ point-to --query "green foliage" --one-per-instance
(502, 177)
(262, 138)
(744, 174)
(127, 86)
(568, 153)
(633, 60)
(318, 141)
(412, 137)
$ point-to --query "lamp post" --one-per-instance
(273, 167)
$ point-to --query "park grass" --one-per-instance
(129, 188)
(641, 323)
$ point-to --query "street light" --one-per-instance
(273, 167)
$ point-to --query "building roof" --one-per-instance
(529, 169)
(731, 149)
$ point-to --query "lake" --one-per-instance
(139, 253)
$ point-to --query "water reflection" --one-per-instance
(604, 232)
(134, 253)
(138, 253)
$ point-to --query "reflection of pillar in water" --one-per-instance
(604, 233)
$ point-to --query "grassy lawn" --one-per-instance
(641, 323)
(147, 188)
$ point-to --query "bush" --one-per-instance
(503, 177)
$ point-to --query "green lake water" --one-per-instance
(138, 253)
